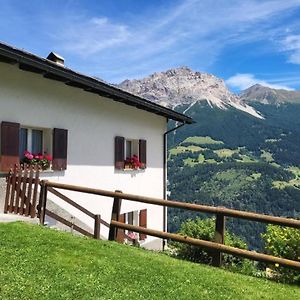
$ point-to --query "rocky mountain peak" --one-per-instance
(267, 95)
(182, 85)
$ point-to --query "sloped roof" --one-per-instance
(33, 63)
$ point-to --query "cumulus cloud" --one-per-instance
(243, 81)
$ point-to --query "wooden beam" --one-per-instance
(211, 245)
(30, 68)
(180, 204)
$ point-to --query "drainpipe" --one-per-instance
(165, 179)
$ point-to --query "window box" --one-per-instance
(37, 143)
(43, 161)
(130, 154)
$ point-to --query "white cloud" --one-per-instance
(86, 37)
(244, 81)
(175, 33)
(291, 44)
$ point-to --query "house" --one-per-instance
(90, 128)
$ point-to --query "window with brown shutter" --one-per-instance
(9, 145)
(119, 152)
(142, 153)
(143, 223)
(60, 149)
(130, 154)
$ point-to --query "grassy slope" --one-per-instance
(40, 263)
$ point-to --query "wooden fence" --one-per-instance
(217, 247)
(22, 190)
(43, 211)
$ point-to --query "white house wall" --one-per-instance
(92, 123)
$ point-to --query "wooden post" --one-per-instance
(8, 185)
(43, 202)
(97, 227)
(113, 231)
(219, 238)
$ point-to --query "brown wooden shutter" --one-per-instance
(10, 133)
(142, 153)
(60, 149)
(121, 232)
(119, 152)
(143, 223)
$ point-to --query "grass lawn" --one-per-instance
(40, 263)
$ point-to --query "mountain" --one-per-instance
(231, 156)
(268, 95)
(181, 86)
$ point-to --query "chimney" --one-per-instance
(59, 60)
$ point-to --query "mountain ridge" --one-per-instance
(182, 86)
(267, 95)
(229, 157)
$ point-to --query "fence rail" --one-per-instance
(217, 247)
(177, 204)
(43, 211)
(210, 245)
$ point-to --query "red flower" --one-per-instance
(28, 155)
(48, 157)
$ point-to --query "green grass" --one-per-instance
(181, 149)
(40, 263)
(246, 159)
(226, 152)
(295, 182)
(267, 156)
(201, 140)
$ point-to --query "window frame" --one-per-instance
(139, 148)
(46, 139)
(134, 144)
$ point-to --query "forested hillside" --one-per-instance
(243, 151)
(232, 159)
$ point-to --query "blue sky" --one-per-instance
(243, 42)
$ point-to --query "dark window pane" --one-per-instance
(128, 149)
(130, 218)
(23, 142)
(37, 141)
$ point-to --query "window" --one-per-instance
(130, 153)
(36, 141)
(136, 218)
(23, 142)
(16, 139)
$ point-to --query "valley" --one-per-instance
(243, 152)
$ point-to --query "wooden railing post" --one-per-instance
(113, 230)
(97, 227)
(42, 202)
(8, 187)
(219, 238)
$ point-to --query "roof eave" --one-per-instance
(30, 62)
